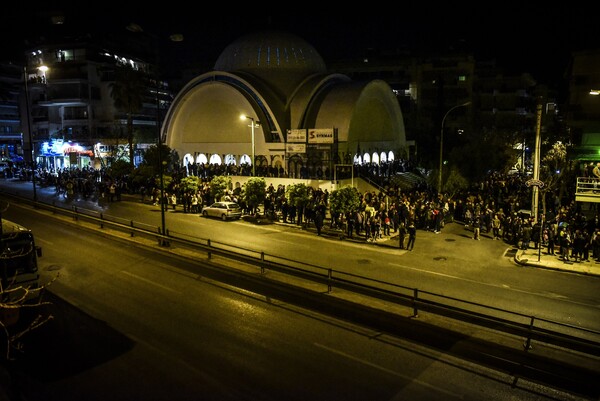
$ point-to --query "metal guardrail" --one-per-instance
(587, 189)
(531, 328)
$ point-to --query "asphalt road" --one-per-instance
(450, 264)
(132, 324)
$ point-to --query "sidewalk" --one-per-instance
(528, 257)
(532, 257)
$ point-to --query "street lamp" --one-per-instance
(439, 187)
(254, 123)
(29, 135)
(135, 28)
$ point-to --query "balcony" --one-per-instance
(588, 189)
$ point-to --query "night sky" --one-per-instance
(521, 38)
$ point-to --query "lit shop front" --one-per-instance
(58, 154)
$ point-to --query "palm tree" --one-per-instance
(127, 92)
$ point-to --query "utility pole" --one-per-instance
(536, 165)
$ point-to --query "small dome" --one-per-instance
(271, 50)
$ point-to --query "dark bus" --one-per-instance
(19, 274)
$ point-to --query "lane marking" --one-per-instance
(503, 286)
(386, 370)
(38, 239)
(145, 280)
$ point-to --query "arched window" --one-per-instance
(201, 159)
(367, 158)
(375, 158)
(215, 159)
(245, 159)
(230, 160)
(187, 159)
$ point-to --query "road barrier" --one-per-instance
(530, 328)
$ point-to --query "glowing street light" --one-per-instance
(135, 28)
(43, 69)
(253, 125)
(439, 186)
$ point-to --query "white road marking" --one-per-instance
(145, 280)
(391, 372)
(43, 241)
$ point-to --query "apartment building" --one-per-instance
(74, 121)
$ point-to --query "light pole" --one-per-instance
(135, 28)
(245, 117)
(30, 136)
(439, 186)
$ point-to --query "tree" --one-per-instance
(553, 168)
(219, 186)
(455, 183)
(297, 195)
(480, 154)
(254, 192)
(190, 184)
(14, 299)
(120, 168)
(142, 175)
(151, 157)
(127, 92)
(344, 200)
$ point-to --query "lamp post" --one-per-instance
(135, 28)
(160, 164)
(439, 186)
(29, 135)
(245, 117)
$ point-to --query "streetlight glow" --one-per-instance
(245, 117)
(439, 187)
(33, 166)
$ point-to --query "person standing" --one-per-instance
(319, 220)
(412, 235)
(496, 223)
(477, 227)
(551, 239)
(401, 234)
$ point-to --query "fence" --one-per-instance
(323, 279)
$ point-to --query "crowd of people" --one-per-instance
(494, 206)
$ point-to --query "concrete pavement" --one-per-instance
(535, 258)
(528, 257)
(525, 257)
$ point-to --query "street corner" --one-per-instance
(519, 257)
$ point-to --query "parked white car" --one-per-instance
(223, 211)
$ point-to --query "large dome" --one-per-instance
(271, 50)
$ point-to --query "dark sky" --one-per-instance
(521, 37)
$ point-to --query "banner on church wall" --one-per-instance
(320, 135)
(295, 148)
(296, 136)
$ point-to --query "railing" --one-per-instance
(416, 300)
(587, 190)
